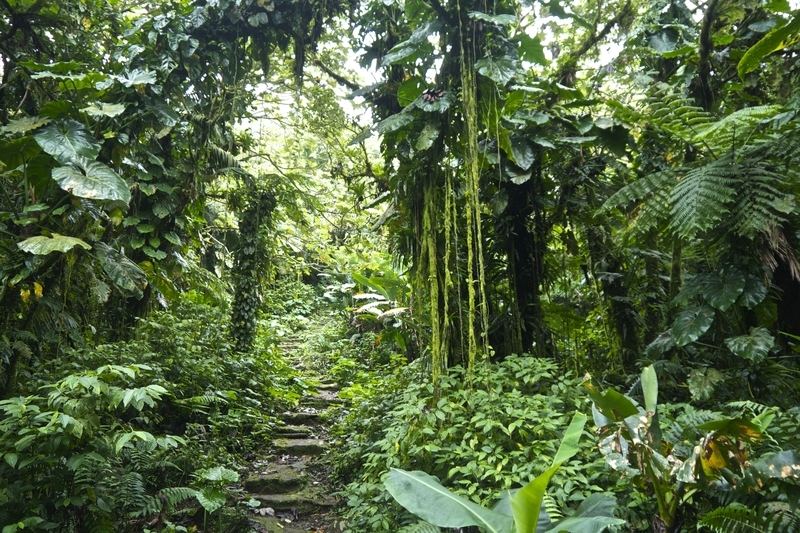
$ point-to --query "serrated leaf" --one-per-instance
(427, 136)
(42, 245)
(67, 139)
(501, 70)
(721, 290)
(92, 179)
(754, 347)
(691, 323)
(25, 124)
(101, 109)
(703, 381)
(395, 122)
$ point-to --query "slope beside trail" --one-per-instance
(291, 479)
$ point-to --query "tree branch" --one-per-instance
(338, 77)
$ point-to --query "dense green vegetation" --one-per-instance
(538, 212)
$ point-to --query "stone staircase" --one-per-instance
(291, 482)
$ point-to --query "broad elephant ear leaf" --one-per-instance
(754, 347)
(126, 275)
(425, 497)
(691, 323)
(721, 290)
(41, 245)
(67, 139)
(92, 179)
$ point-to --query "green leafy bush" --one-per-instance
(494, 429)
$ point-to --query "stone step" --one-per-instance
(329, 387)
(320, 401)
(310, 499)
(299, 447)
(301, 417)
(296, 432)
(285, 479)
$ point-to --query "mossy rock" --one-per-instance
(300, 447)
(307, 500)
(285, 480)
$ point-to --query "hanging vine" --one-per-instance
(250, 268)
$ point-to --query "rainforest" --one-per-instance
(400, 266)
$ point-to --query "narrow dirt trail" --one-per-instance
(291, 480)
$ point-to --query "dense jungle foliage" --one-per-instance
(548, 249)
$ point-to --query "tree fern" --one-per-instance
(739, 519)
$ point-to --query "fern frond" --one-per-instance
(760, 204)
(552, 508)
(702, 195)
(642, 188)
(739, 519)
(420, 527)
(736, 129)
(175, 495)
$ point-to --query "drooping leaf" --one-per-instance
(754, 292)
(124, 273)
(19, 151)
(501, 70)
(523, 153)
(703, 381)
(42, 245)
(774, 40)
(417, 43)
(438, 105)
(660, 344)
(395, 122)
(754, 347)
(425, 497)
(67, 139)
(101, 109)
(427, 136)
(611, 404)
(594, 524)
(25, 124)
(92, 179)
(721, 290)
(691, 323)
(60, 67)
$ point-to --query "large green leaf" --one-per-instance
(92, 179)
(410, 90)
(611, 404)
(527, 502)
(41, 245)
(25, 124)
(427, 136)
(753, 347)
(754, 292)
(594, 515)
(124, 273)
(67, 139)
(19, 151)
(650, 388)
(531, 50)
(703, 381)
(211, 499)
(501, 70)
(417, 43)
(102, 109)
(395, 122)
(773, 41)
(523, 153)
(425, 497)
(691, 323)
(721, 290)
